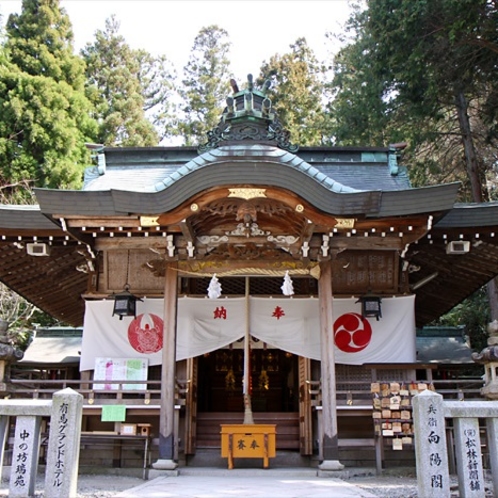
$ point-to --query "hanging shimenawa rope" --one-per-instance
(314, 272)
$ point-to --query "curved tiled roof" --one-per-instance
(470, 215)
(140, 169)
(234, 154)
(159, 180)
(13, 216)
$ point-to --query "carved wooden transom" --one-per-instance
(247, 218)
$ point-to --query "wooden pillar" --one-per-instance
(329, 442)
(167, 415)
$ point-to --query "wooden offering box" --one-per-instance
(248, 441)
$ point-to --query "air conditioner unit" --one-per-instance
(37, 249)
(458, 247)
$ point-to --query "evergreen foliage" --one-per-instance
(157, 79)
(45, 114)
(474, 312)
(426, 72)
(297, 92)
(423, 72)
(206, 84)
(115, 86)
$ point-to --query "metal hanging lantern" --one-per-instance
(370, 306)
(125, 303)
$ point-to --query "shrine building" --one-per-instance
(248, 277)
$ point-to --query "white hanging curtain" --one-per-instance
(290, 324)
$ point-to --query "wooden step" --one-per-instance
(209, 427)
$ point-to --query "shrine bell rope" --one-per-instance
(314, 272)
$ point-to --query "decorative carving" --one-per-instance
(278, 133)
(270, 214)
(212, 240)
(286, 240)
(225, 207)
(247, 193)
(344, 223)
(242, 231)
(149, 221)
(247, 132)
(246, 251)
(248, 116)
(247, 213)
(215, 137)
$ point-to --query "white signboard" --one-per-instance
(111, 370)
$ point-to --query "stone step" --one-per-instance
(271, 472)
(212, 458)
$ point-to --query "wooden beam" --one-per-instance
(111, 222)
(308, 231)
(109, 243)
(166, 421)
(366, 243)
(187, 231)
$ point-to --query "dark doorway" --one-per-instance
(274, 381)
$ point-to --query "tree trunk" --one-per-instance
(492, 288)
(468, 145)
(475, 182)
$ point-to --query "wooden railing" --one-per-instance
(354, 393)
(93, 394)
(357, 393)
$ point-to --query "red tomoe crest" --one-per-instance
(352, 332)
(145, 333)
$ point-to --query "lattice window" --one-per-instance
(398, 374)
(258, 286)
(353, 377)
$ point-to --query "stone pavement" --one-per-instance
(246, 483)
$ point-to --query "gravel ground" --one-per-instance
(386, 486)
(406, 487)
(96, 486)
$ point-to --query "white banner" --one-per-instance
(291, 324)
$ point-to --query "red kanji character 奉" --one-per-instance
(278, 312)
(220, 312)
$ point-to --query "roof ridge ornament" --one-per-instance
(248, 116)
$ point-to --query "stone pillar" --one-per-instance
(492, 427)
(4, 436)
(61, 476)
(167, 416)
(469, 457)
(25, 456)
(433, 477)
(329, 443)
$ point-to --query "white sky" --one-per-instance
(257, 29)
